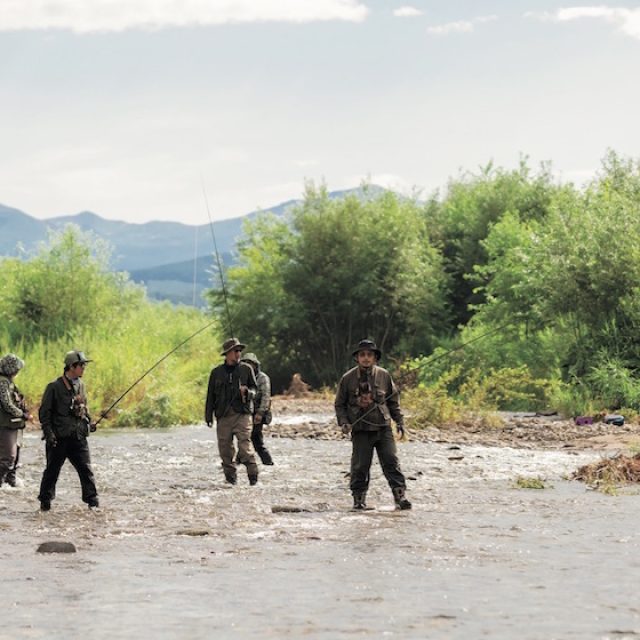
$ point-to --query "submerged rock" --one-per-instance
(56, 546)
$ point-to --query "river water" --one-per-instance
(174, 552)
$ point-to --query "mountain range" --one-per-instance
(173, 260)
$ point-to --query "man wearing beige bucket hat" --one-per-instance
(232, 387)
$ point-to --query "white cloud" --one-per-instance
(462, 26)
(481, 19)
(627, 20)
(118, 15)
(407, 12)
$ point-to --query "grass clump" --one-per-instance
(523, 482)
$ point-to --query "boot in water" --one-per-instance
(360, 501)
(400, 499)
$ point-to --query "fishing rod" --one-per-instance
(430, 362)
(215, 246)
(104, 414)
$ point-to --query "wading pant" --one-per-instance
(76, 450)
(258, 444)
(8, 451)
(238, 425)
(364, 442)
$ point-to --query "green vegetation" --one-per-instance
(507, 291)
(533, 284)
(67, 297)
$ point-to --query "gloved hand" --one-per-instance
(210, 425)
(52, 441)
(400, 430)
(257, 419)
(346, 428)
(92, 427)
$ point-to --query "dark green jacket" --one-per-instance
(224, 391)
(57, 415)
(385, 397)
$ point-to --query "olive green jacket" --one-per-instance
(385, 397)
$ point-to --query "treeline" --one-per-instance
(509, 290)
(68, 297)
(539, 279)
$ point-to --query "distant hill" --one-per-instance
(158, 254)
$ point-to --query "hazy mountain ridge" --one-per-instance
(162, 255)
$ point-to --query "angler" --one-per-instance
(232, 388)
(13, 416)
(366, 402)
(66, 424)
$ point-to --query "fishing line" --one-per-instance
(428, 363)
(104, 414)
(215, 246)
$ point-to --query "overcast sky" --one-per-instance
(125, 107)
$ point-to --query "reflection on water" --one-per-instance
(176, 553)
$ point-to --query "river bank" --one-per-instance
(313, 417)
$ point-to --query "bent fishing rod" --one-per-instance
(104, 414)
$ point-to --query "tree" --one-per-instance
(305, 293)
(66, 286)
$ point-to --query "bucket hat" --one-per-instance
(367, 345)
(231, 343)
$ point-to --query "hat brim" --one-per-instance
(376, 351)
(235, 346)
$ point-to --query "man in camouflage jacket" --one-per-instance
(13, 416)
(366, 402)
(261, 408)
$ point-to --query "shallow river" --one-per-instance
(174, 552)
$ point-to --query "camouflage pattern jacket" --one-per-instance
(11, 411)
(262, 401)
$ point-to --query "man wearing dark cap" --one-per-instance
(232, 387)
(66, 424)
(366, 402)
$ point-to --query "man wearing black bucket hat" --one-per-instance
(66, 425)
(232, 387)
(366, 402)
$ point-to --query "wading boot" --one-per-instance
(360, 501)
(231, 479)
(265, 458)
(253, 479)
(401, 501)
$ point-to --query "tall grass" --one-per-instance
(173, 393)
